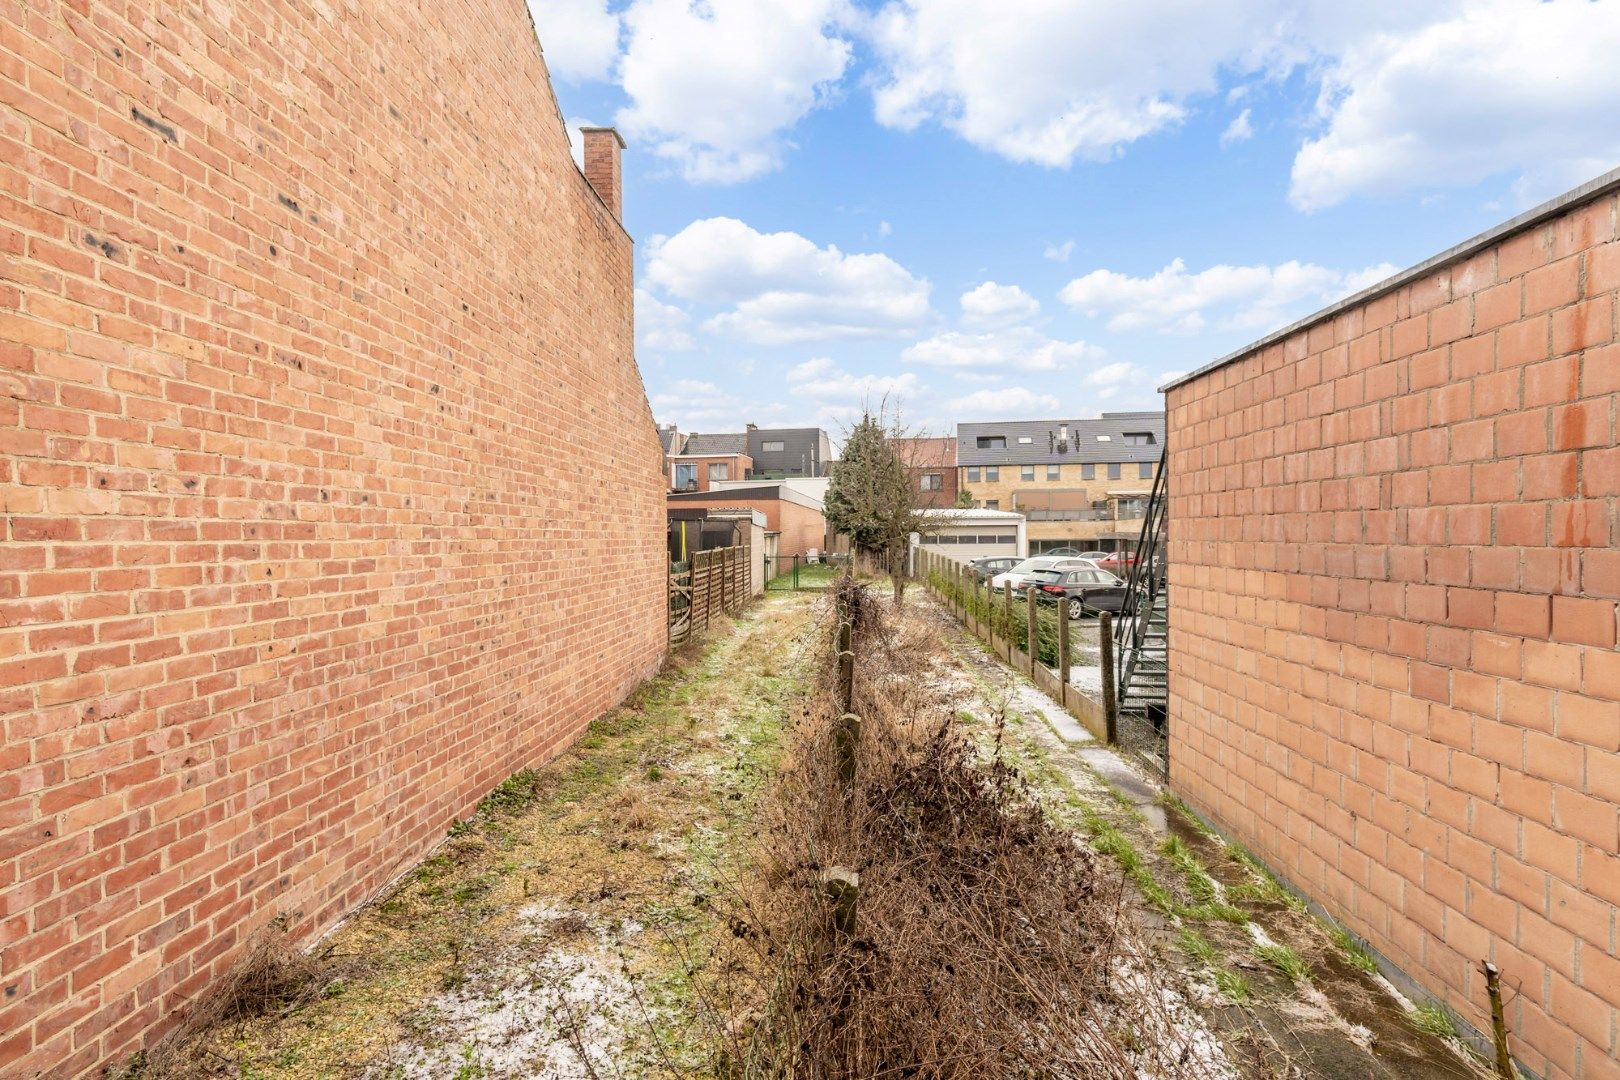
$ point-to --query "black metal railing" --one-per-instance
(1141, 635)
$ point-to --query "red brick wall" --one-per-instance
(330, 492)
(1393, 590)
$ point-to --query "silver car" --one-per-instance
(1019, 575)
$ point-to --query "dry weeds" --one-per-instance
(987, 942)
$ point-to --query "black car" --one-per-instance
(988, 566)
(1082, 590)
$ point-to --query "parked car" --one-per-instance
(1118, 563)
(1083, 590)
(990, 565)
(1020, 573)
(1069, 551)
(1094, 556)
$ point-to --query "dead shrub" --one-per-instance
(987, 943)
(271, 977)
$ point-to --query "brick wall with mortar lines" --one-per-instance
(330, 492)
(1393, 595)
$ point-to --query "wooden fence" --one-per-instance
(714, 582)
(991, 619)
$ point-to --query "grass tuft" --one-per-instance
(1354, 952)
(1433, 1018)
(1285, 960)
(1233, 985)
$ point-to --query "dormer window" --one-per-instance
(991, 442)
(1139, 438)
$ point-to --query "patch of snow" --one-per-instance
(563, 1014)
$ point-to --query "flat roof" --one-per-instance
(1590, 191)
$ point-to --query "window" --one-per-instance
(932, 482)
(1025, 440)
(1139, 438)
(1113, 470)
(992, 504)
(720, 470)
(1105, 438)
(992, 474)
(1088, 471)
(1144, 471)
(1054, 472)
(1026, 472)
(992, 442)
(772, 446)
(686, 476)
(973, 474)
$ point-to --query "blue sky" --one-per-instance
(1041, 208)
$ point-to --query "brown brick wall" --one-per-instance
(802, 527)
(1393, 594)
(330, 492)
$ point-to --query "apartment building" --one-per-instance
(705, 460)
(1078, 483)
(778, 453)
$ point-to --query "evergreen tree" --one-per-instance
(869, 498)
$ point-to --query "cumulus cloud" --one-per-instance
(1239, 130)
(660, 327)
(990, 304)
(1232, 297)
(1050, 83)
(580, 38)
(781, 288)
(1018, 348)
(714, 86)
(1008, 402)
(1499, 88)
(824, 381)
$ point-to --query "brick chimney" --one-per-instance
(602, 146)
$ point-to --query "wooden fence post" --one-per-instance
(1063, 652)
(842, 887)
(847, 747)
(1032, 629)
(1105, 639)
(846, 681)
(1006, 616)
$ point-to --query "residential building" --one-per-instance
(782, 452)
(969, 534)
(1079, 483)
(789, 511)
(333, 498)
(931, 463)
(1394, 583)
(706, 460)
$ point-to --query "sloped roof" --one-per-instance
(1099, 440)
(730, 443)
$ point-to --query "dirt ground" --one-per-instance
(560, 933)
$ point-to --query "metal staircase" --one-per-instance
(1142, 636)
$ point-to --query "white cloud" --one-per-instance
(1059, 252)
(990, 304)
(580, 38)
(714, 85)
(1239, 130)
(1502, 87)
(822, 380)
(660, 327)
(884, 228)
(1019, 348)
(1112, 374)
(1049, 82)
(1236, 297)
(782, 288)
(576, 138)
(1001, 404)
